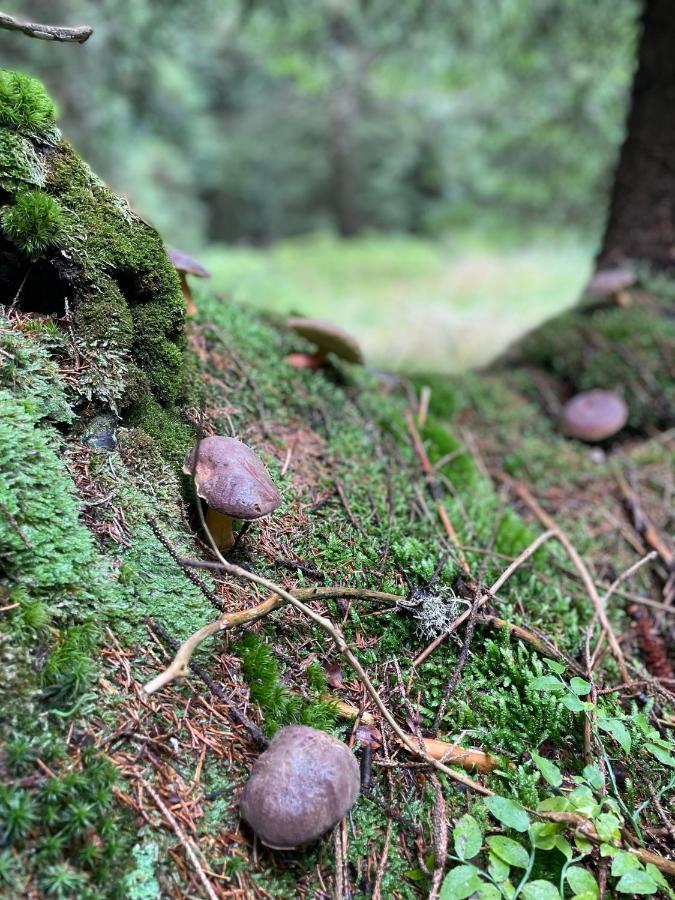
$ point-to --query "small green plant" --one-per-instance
(509, 863)
(34, 223)
(279, 707)
(24, 104)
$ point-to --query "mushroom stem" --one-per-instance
(220, 527)
(190, 305)
(306, 360)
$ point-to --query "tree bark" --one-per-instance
(641, 220)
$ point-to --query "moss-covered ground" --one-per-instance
(106, 793)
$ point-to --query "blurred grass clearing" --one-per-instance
(414, 304)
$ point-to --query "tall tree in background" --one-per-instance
(641, 220)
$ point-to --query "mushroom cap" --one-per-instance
(606, 282)
(594, 415)
(184, 263)
(231, 478)
(328, 337)
(300, 787)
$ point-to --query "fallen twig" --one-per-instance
(435, 490)
(58, 33)
(182, 837)
(548, 522)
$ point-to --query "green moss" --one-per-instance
(19, 163)
(127, 304)
(25, 105)
(170, 433)
(33, 223)
(278, 706)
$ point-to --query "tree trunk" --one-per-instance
(346, 213)
(641, 221)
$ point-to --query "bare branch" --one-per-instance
(47, 32)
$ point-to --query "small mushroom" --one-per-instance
(185, 265)
(594, 415)
(234, 483)
(612, 284)
(300, 787)
(329, 338)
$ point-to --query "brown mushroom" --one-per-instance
(300, 787)
(234, 483)
(612, 284)
(185, 265)
(594, 415)
(329, 338)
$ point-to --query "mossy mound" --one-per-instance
(630, 350)
(70, 247)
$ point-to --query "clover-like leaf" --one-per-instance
(508, 812)
(467, 837)
(460, 882)
(637, 881)
(548, 769)
(540, 890)
(509, 850)
(581, 881)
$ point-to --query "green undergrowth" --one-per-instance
(96, 568)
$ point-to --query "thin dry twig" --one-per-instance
(59, 33)
(182, 837)
(548, 522)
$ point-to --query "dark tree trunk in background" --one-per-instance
(641, 220)
(346, 212)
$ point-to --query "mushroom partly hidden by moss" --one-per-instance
(328, 338)
(233, 482)
(300, 787)
(186, 265)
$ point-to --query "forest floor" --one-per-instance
(108, 793)
(445, 305)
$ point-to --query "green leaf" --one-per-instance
(509, 850)
(618, 731)
(564, 846)
(548, 769)
(554, 666)
(585, 895)
(581, 881)
(460, 882)
(554, 804)
(543, 834)
(624, 862)
(609, 850)
(656, 875)
(607, 826)
(637, 882)
(661, 754)
(540, 890)
(497, 868)
(489, 892)
(574, 704)
(593, 776)
(467, 837)
(580, 686)
(548, 683)
(508, 812)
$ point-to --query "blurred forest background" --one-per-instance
(432, 175)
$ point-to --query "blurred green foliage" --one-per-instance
(251, 120)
